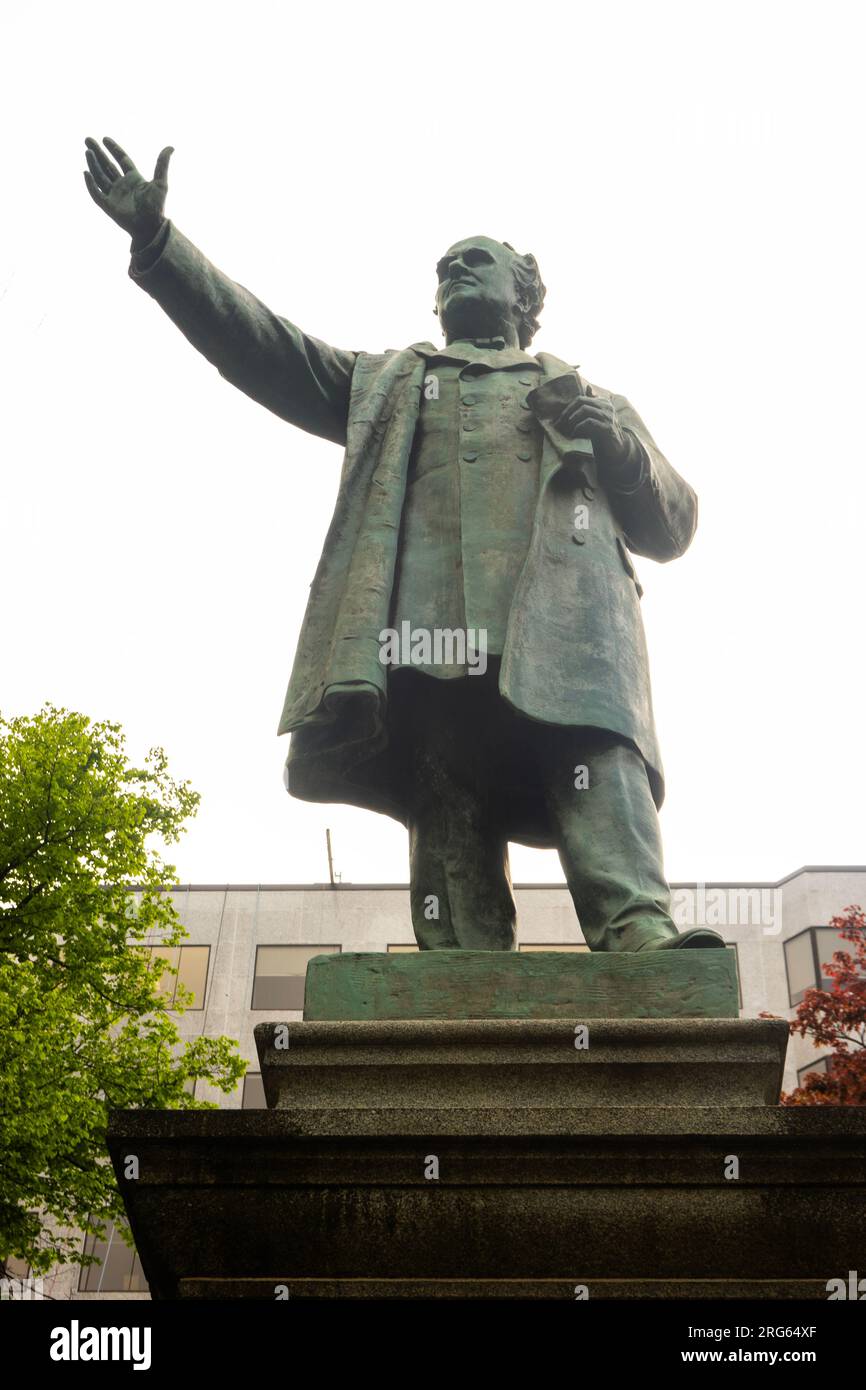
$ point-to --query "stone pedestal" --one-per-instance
(540, 1065)
(630, 1201)
(490, 1157)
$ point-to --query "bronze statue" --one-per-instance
(472, 660)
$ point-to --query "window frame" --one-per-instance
(820, 1065)
(86, 1272)
(180, 948)
(250, 1075)
(818, 973)
(314, 947)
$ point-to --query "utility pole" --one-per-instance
(333, 877)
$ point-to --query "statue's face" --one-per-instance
(476, 293)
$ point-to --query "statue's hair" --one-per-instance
(530, 291)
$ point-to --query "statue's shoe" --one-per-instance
(699, 938)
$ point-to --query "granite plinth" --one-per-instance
(521, 1064)
(467, 1157)
(629, 1201)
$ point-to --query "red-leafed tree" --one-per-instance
(836, 1018)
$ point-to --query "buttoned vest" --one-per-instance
(471, 498)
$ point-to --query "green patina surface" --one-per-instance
(512, 984)
(490, 501)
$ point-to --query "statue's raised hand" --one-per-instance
(132, 201)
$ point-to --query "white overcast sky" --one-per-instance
(690, 177)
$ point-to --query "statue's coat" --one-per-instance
(575, 652)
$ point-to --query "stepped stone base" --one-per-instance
(629, 1201)
(472, 1156)
(513, 1065)
(710, 1289)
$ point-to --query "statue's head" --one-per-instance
(485, 286)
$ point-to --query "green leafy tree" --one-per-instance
(84, 1026)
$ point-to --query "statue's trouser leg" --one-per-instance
(459, 870)
(460, 882)
(608, 837)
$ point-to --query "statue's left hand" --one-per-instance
(594, 417)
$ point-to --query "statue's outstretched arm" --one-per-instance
(299, 378)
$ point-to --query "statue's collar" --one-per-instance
(490, 344)
(492, 351)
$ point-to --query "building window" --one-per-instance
(826, 942)
(119, 1270)
(401, 950)
(805, 956)
(254, 1092)
(16, 1270)
(820, 1066)
(800, 964)
(191, 964)
(280, 975)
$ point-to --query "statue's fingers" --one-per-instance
(160, 172)
(101, 158)
(597, 409)
(120, 155)
(584, 412)
(573, 429)
(100, 178)
(92, 189)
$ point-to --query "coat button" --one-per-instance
(588, 492)
(525, 426)
(468, 400)
(578, 538)
(467, 426)
(524, 457)
(470, 457)
(526, 381)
